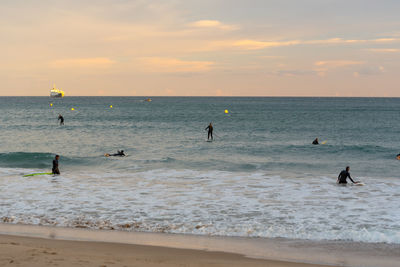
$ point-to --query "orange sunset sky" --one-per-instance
(200, 48)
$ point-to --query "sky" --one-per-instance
(200, 48)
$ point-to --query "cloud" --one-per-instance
(173, 65)
(254, 45)
(292, 73)
(359, 68)
(383, 50)
(212, 24)
(322, 67)
(369, 70)
(350, 41)
(248, 44)
(97, 62)
(337, 63)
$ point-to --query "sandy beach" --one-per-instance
(28, 251)
(28, 245)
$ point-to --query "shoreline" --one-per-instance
(254, 251)
(32, 252)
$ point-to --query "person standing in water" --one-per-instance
(61, 119)
(55, 169)
(342, 178)
(210, 131)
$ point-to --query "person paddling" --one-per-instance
(210, 131)
(118, 154)
(61, 119)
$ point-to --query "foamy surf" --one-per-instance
(214, 203)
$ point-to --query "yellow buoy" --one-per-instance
(226, 111)
(51, 104)
(110, 106)
(72, 109)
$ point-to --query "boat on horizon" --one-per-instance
(55, 92)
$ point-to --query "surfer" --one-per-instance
(315, 142)
(55, 169)
(342, 178)
(210, 131)
(398, 157)
(61, 119)
(118, 154)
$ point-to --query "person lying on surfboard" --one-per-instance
(55, 169)
(342, 178)
(118, 154)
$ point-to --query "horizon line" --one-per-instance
(149, 96)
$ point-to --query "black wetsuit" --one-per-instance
(61, 118)
(119, 154)
(315, 142)
(210, 131)
(342, 178)
(55, 169)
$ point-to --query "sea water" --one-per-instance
(260, 177)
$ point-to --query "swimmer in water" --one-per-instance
(315, 142)
(342, 178)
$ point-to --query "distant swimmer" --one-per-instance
(342, 178)
(118, 154)
(61, 119)
(398, 157)
(315, 142)
(210, 131)
(55, 169)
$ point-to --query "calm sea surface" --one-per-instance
(260, 177)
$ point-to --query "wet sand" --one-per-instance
(28, 245)
(28, 251)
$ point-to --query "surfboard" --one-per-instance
(35, 174)
(351, 184)
(108, 155)
(323, 143)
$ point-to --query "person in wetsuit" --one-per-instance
(61, 119)
(398, 157)
(342, 178)
(315, 142)
(55, 169)
(118, 154)
(210, 131)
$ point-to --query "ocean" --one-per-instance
(260, 177)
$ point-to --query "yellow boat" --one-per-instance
(55, 92)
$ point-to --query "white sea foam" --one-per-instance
(255, 204)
